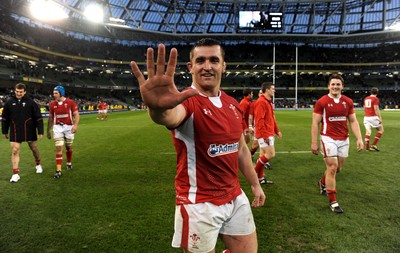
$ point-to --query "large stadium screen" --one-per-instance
(260, 20)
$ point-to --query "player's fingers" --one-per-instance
(150, 62)
(136, 71)
(261, 200)
(258, 201)
(255, 202)
(161, 59)
(172, 62)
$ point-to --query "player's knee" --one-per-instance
(241, 243)
(332, 171)
(270, 154)
(332, 168)
(15, 151)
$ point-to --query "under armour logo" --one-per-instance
(207, 111)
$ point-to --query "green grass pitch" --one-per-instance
(119, 197)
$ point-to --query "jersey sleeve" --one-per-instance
(318, 108)
(259, 120)
(276, 128)
(377, 102)
(351, 109)
(5, 120)
(74, 106)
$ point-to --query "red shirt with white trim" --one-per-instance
(369, 105)
(335, 113)
(62, 111)
(207, 144)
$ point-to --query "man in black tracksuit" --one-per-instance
(20, 119)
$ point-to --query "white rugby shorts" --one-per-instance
(63, 131)
(372, 122)
(270, 142)
(334, 148)
(197, 226)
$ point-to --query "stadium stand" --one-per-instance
(100, 66)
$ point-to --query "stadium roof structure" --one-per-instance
(319, 22)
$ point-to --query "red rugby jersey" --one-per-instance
(62, 111)
(335, 113)
(369, 105)
(207, 144)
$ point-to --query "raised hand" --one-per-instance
(158, 91)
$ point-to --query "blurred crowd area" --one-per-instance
(117, 85)
(112, 49)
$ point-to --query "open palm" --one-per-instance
(158, 91)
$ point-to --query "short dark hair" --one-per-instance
(247, 91)
(20, 86)
(207, 42)
(374, 91)
(265, 86)
(336, 76)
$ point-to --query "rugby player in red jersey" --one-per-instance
(64, 118)
(245, 104)
(333, 111)
(265, 129)
(102, 108)
(372, 119)
(206, 128)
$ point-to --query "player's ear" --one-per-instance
(189, 66)
(224, 67)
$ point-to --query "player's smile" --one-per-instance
(207, 75)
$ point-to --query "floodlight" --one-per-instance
(94, 13)
(393, 27)
(47, 10)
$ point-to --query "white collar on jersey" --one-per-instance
(336, 100)
(215, 100)
(60, 102)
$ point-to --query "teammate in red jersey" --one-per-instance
(254, 145)
(102, 108)
(64, 118)
(372, 119)
(332, 112)
(245, 104)
(206, 127)
(265, 128)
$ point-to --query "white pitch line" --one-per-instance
(293, 152)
